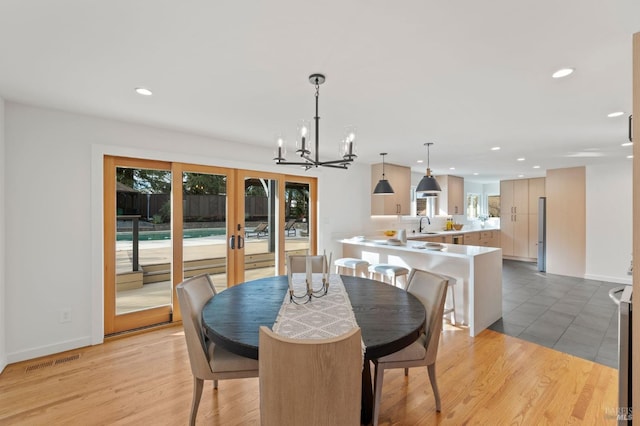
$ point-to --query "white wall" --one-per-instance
(3, 345)
(55, 210)
(609, 221)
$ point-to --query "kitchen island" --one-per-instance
(476, 271)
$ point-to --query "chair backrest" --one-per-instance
(262, 226)
(310, 381)
(193, 293)
(431, 290)
(298, 263)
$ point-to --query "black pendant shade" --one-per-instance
(383, 187)
(428, 184)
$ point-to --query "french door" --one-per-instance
(165, 221)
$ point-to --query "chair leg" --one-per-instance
(453, 306)
(377, 392)
(434, 385)
(197, 394)
(215, 384)
(406, 371)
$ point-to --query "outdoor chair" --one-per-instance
(289, 228)
(259, 231)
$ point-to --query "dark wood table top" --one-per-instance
(390, 318)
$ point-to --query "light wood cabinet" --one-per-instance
(519, 217)
(398, 203)
(451, 198)
(490, 238)
(483, 238)
(447, 239)
(536, 190)
(472, 239)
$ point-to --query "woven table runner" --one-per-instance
(321, 318)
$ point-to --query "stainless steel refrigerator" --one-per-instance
(542, 234)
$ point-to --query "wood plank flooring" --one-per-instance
(145, 379)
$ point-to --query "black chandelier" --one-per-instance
(347, 147)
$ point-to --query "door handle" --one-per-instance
(232, 242)
(630, 129)
(240, 242)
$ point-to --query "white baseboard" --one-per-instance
(617, 280)
(48, 350)
(3, 364)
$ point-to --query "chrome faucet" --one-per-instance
(420, 225)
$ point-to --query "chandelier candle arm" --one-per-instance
(313, 159)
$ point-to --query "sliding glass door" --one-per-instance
(164, 222)
(138, 243)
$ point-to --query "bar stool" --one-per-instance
(389, 271)
(355, 267)
(450, 310)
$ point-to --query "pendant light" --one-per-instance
(428, 184)
(383, 187)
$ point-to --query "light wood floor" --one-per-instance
(145, 379)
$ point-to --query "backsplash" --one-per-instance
(438, 223)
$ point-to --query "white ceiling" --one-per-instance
(465, 74)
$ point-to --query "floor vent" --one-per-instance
(52, 362)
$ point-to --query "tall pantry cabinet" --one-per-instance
(519, 217)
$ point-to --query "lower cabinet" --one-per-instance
(481, 238)
(490, 238)
(514, 231)
(472, 239)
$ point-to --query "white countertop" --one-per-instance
(453, 250)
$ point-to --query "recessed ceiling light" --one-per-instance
(536, 167)
(452, 168)
(420, 161)
(627, 144)
(495, 148)
(629, 156)
(143, 91)
(563, 72)
(615, 114)
(476, 174)
(521, 159)
(520, 175)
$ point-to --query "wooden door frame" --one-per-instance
(235, 215)
(115, 323)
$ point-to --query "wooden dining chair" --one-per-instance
(297, 263)
(431, 290)
(311, 382)
(208, 360)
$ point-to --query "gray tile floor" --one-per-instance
(571, 315)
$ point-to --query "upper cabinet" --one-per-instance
(519, 217)
(398, 203)
(514, 196)
(451, 199)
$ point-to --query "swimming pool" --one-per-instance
(165, 235)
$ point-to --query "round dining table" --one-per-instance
(390, 319)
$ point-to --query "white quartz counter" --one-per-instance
(475, 272)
